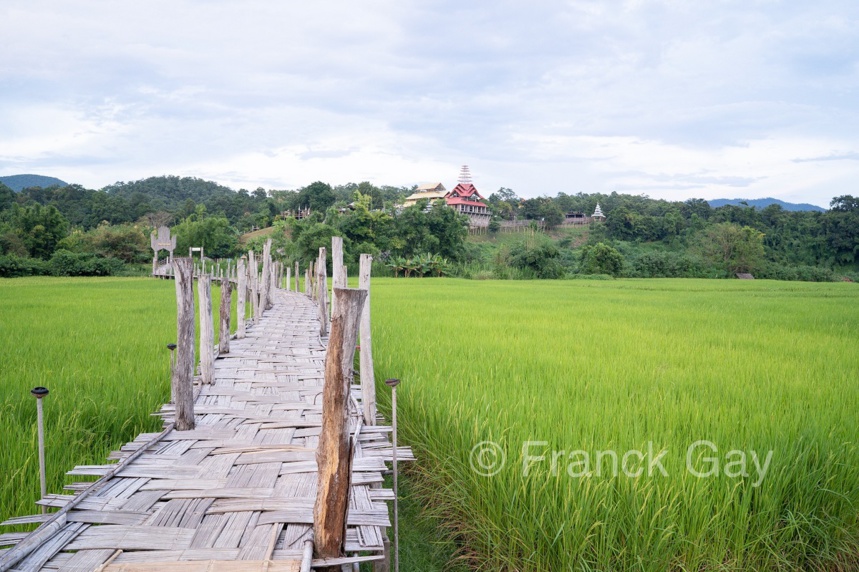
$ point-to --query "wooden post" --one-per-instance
(307, 281)
(183, 368)
(368, 379)
(254, 286)
(336, 267)
(321, 293)
(242, 291)
(334, 453)
(272, 284)
(226, 303)
(296, 276)
(265, 283)
(314, 293)
(207, 329)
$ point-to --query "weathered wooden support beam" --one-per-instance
(226, 303)
(368, 379)
(289, 279)
(336, 267)
(296, 276)
(322, 292)
(265, 282)
(242, 291)
(307, 281)
(207, 330)
(183, 366)
(254, 285)
(334, 453)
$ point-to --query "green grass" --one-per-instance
(99, 346)
(578, 364)
(617, 365)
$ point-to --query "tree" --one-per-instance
(551, 214)
(213, 233)
(841, 225)
(7, 197)
(601, 259)
(39, 228)
(732, 247)
(317, 196)
(539, 254)
(450, 229)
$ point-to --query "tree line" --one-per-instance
(74, 230)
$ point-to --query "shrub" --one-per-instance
(65, 263)
(13, 266)
(538, 254)
(601, 259)
(659, 264)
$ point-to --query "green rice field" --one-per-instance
(549, 375)
(99, 346)
(732, 409)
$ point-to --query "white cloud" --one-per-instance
(673, 99)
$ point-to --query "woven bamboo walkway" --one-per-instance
(235, 493)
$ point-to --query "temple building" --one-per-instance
(598, 216)
(430, 192)
(465, 199)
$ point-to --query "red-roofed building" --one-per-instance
(464, 198)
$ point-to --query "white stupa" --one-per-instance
(598, 213)
(465, 175)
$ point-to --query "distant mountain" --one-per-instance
(763, 203)
(21, 182)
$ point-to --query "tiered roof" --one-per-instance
(464, 193)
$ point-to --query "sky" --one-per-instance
(667, 98)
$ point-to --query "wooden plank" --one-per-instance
(208, 566)
(133, 538)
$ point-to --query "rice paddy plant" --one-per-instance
(567, 377)
(99, 346)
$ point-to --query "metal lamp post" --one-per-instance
(39, 393)
(393, 383)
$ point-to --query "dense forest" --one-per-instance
(71, 230)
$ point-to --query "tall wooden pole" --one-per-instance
(368, 380)
(322, 293)
(207, 330)
(226, 306)
(242, 291)
(254, 285)
(265, 282)
(334, 453)
(296, 276)
(289, 279)
(183, 370)
(336, 267)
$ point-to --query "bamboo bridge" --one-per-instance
(254, 478)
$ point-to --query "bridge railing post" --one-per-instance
(368, 381)
(207, 329)
(183, 370)
(225, 307)
(242, 292)
(322, 292)
(334, 452)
